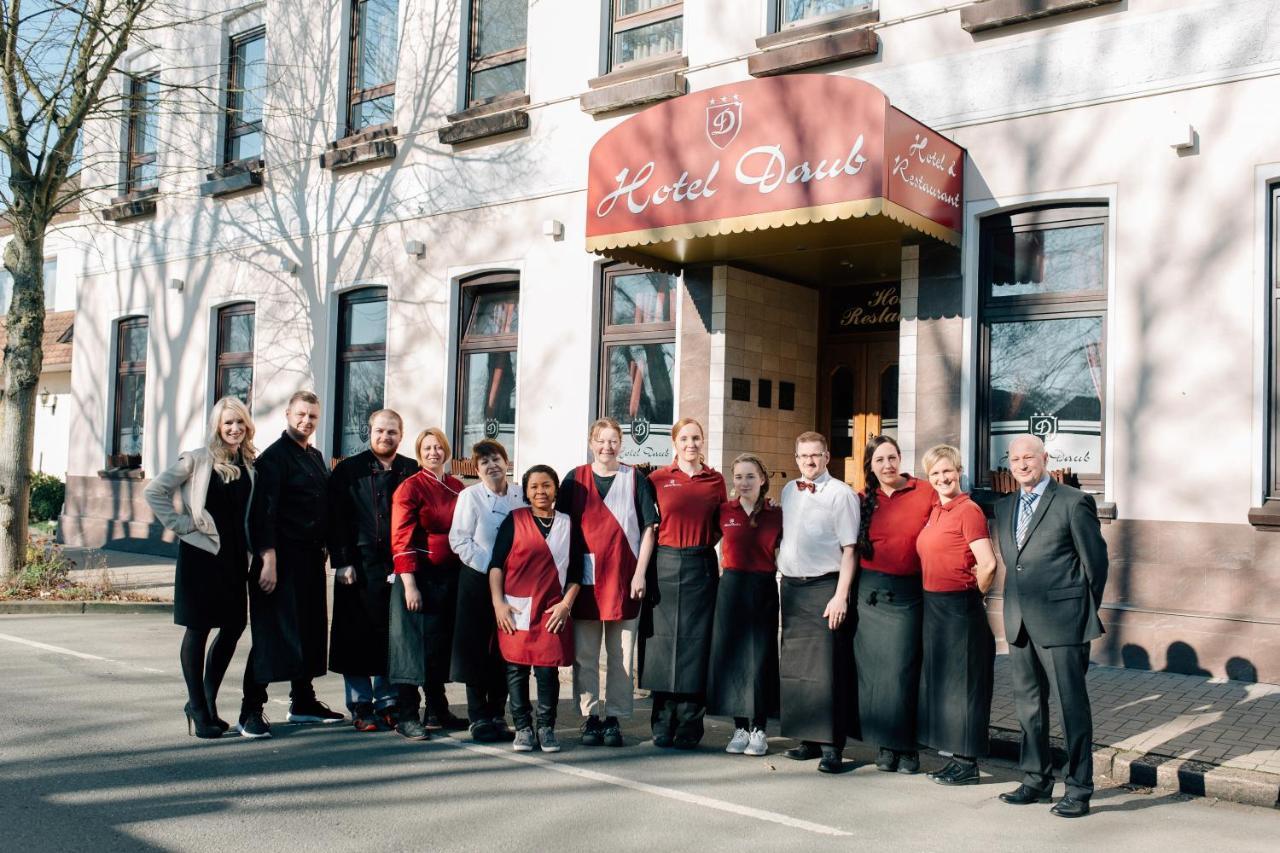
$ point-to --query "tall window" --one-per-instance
(1273, 260)
(638, 355)
(140, 159)
(499, 30)
(246, 86)
(374, 53)
(234, 369)
(131, 383)
(791, 13)
(362, 367)
(1044, 312)
(489, 324)
(50, 286)
(645, 30)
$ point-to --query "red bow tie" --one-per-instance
(805, 486)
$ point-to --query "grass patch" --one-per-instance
(47, 576)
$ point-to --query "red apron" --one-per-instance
(611, 532)
(533, 580)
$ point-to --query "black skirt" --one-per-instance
(815, 664)
(361, 618)
(742, 679)
(955, 688)
(886, 646)
(209, 590)
(681, 609)
(475, 631)
(421, 644)
(290, 627)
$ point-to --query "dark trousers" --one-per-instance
(408, 702)
(678, 714)
(754, 723)
(487, 697)
(255, 694)
(1034, 669)
(548, 679)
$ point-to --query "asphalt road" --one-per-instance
(94, 755)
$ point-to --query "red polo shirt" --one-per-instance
(895, 524)
(943, 545)
(746, 548)
(689, 506)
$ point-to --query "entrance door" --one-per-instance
(859, 399)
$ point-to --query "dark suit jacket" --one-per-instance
(1053, 584)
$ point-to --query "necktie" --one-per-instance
(1026, 502)
(803, 486)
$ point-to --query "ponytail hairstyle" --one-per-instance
(224, 458)
(870, 497)
(681, 424)
(752, 459)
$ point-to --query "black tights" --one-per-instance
(204, 674)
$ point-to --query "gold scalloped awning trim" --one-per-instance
(776, 219)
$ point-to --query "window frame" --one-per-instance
(776, 10)
(232, 127)
(135, 91)
(121, 369)
(476, 63)
(356, 97)
(1038, 307)
(469, 291)
(624, 23)
(346, 354)
(1273, 344)
(224, 359)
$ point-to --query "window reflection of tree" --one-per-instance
(640, 382)
(1045, 367)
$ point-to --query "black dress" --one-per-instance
(209, 589)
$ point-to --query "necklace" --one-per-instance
(546, 525)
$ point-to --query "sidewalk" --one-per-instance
(141, 573)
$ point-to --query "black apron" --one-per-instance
(886, 647)
(421, 645)
(475, 631)
(959, 661)
(815, 664)
(681, 609)
(290, 626)
(361, 616)
(742, 679)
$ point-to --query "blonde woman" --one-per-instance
(215, 487)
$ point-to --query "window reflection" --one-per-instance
(640, 397)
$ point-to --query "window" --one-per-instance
(1273, 261)
(638, 355)
(489, 322)
(791, 13)
(246, 86)
(233, 372)
(374, 53)
(498, 31)
(140, 159)
(131, 382)
(50, 286)
(644, 30)
(362, 367)
(1044, 308)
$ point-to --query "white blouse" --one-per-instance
(476, 518)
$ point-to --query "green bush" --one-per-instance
(47, 494)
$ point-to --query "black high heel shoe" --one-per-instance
(199, 724)
(217, 721)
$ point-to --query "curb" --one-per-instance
(62, 607)
(1161, 773)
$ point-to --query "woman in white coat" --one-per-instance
(204, 500)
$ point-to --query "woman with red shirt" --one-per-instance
(958, 566)
(682, 599)
(426, 592)
(742, 679)
(886, 644)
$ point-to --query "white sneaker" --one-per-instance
(738, 743)
(758, 744)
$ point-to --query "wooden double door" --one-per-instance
(857, 398)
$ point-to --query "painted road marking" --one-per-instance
(73, 653)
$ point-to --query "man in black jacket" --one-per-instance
(1055, 571)
(287, 608)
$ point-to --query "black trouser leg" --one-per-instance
(757, 722)
(436, 701)
(217, 662)
(407, 701)
(518, 687)
(255, 694)
(1031, 703)
(192, 657)
(690, 709)
(477, 706)
(301, 689)
(548, 679)
(1067, 667)
(496, 689)
(662, 720)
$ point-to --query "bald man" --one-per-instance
(1055, 571)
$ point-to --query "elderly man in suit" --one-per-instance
(1055, 571)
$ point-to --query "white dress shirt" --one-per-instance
(816, 525)
(476, 518)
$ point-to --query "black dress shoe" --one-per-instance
(663, 741)
(803, 752)
(1025, 795)
(956, 773)
(448, 722)
(909, 763)
(831, 764)
(412, 728)
(684, 742)
(1069, 806)
(887, 760)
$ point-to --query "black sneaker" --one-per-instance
(312, 710)
(887, 761)
(909, 762)
(254, 724)
(412, 729)
(592, 731)
(447, 721)
(611, 732)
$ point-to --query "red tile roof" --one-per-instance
(57, 337)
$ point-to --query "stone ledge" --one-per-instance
(1003, 13)
(831, 25)
(1266, 517)
(836, 47)
(61, 607)
(634, 93)
(467, 126)
(232, 178)
(133, 205)
(369, 146)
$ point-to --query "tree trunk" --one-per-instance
(19, 381)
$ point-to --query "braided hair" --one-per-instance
(871, 497)
(764, 486)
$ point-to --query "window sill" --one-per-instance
(638, 70)
(492, 119)
(822, 50)
(231, 178)
(122, 474)
(131, 205)
(831, 25)
(633, 87)
(371, 145)
(1003, 13)
(1267, 516)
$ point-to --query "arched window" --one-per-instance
(361, 368)
(130, 393)
(489, 323)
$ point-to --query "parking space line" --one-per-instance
(35, 644)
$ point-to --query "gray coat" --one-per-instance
(190, 521)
